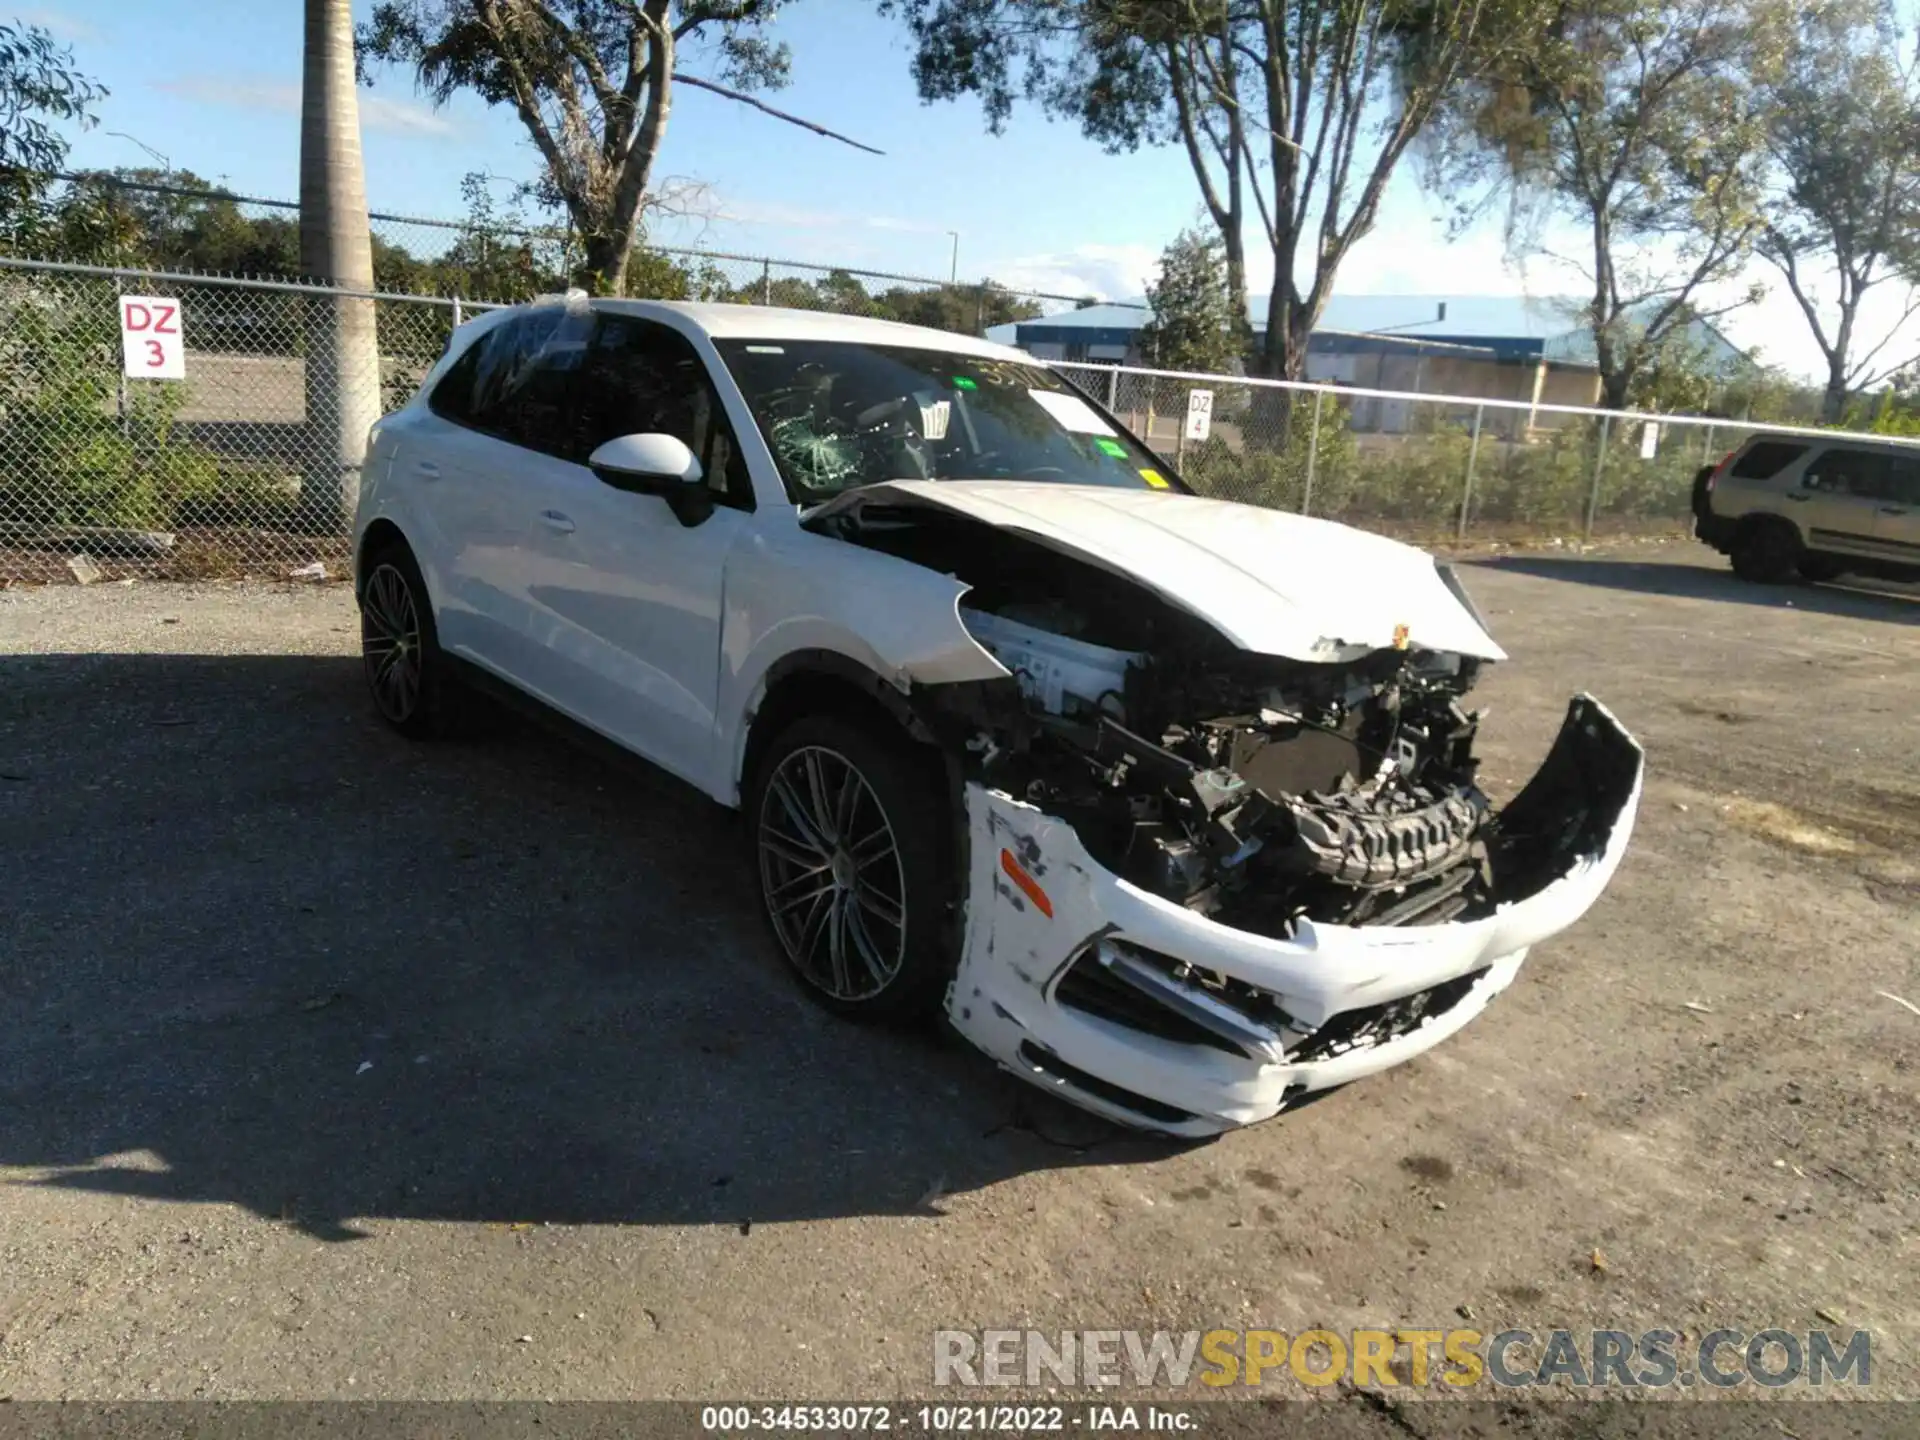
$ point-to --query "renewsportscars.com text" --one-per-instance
(1389, 1359)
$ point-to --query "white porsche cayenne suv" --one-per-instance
(1168, 802)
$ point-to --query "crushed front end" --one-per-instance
(1204, 883)
(1206, 877)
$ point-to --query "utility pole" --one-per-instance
(336, 249)
(953, 272)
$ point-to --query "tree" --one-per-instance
(1194, 326)
(1301, 109)
(592, 81)
(39, 86)
(1844, 139)
(1642, 126)
(336, 248)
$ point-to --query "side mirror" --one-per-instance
(656, 464)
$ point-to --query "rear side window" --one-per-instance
(516, 381)
(1766, 459)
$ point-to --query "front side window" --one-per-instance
(641, 377)
(1867, 474)
(1904, 488)
(838, 415)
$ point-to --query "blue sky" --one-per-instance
(214, 86)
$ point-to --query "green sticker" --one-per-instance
(1113, 448)
(961, 382)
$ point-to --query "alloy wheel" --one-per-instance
(390, 643)
(830, 874)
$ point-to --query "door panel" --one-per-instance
(624, 601)
(1835, 501)
(1896, 520)
(630, 603)
(503, 407)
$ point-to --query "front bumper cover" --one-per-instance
(1334, 1002)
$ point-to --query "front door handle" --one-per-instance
(1892, 510)
(554, 520)
(426, 469)
(1799, 499)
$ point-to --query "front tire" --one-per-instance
(1818, 569)
(1766, 552)
(399, 646)
(846, 830)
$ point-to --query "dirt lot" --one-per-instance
(335, 1066)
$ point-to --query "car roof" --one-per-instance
(769, 322)
(1853, 440)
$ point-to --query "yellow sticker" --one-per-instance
(1155, 479)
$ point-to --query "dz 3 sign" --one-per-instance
(150, 340)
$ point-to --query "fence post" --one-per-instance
(1706, 451)
(1113, 390)
(1473, 455)
(1599, 466)
(766, 282)
(119, 289)
(456, 312)
(1180, 443)
(1313, 454)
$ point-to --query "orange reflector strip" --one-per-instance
(1028, 885)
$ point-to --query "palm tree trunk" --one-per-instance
(336, 248)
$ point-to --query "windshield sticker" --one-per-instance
(961, 382)
(933, 418)
(766, 349)
(1071, 412)
(1112, 447)
(1155, 479)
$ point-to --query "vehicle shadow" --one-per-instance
(258, 949)
(1858, 598)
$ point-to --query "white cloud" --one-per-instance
(56, 24)
(377, 112)
(789, 217)
(1105, 272)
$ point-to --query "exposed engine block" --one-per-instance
(1371, 842)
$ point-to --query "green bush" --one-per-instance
(76, 453)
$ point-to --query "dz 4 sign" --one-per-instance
(1199, 415)
(150, 340)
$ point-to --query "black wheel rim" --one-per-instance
(830, 875)
(390, 643)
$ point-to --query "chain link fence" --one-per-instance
(1434, 469)
(224, 472)
(102, 475)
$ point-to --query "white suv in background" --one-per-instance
(1783, 505)
(1168, 803)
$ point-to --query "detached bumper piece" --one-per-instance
(1149, 1013)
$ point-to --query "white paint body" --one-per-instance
(600, 604)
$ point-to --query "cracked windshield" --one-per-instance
(839, 415)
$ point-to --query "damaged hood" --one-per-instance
(1271, 582)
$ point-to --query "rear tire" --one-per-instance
(847, 830)
(1765, 551)
(407, 675)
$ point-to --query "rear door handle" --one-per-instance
(554, 520)
(426, 469)
(1799, 499)
(1892, 510)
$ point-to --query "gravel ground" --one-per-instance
(336, 1066)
